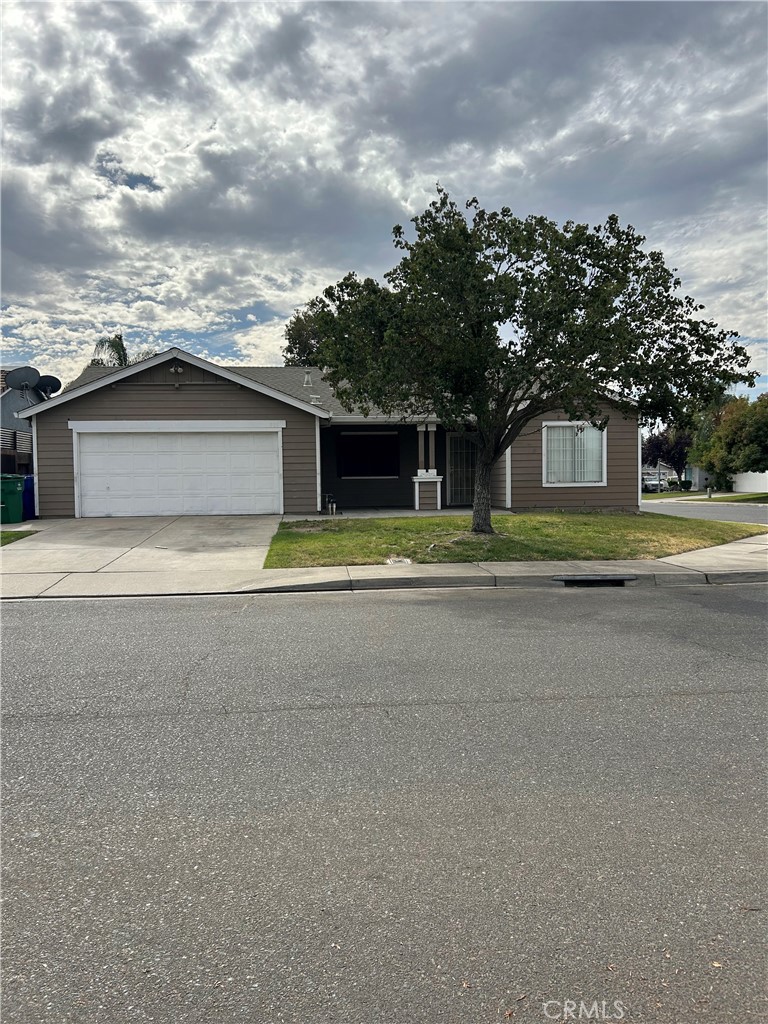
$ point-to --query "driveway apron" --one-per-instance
(152, 544)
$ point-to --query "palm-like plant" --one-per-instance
(112, 352)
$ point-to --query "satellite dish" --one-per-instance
(22, 378)
(48, 384)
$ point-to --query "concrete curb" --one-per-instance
(355, 579)
(520, 583)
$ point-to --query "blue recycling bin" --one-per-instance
(28, 498)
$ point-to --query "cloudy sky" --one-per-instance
(189, 173)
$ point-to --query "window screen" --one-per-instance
(574, 455)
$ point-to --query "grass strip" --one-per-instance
(526, 537)
(9, 536)
(739, 499)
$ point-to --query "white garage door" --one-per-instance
(162, 474)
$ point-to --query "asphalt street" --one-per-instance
(721, 511)
(457, 807)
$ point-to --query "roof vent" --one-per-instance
(307, 378)
(314, 399)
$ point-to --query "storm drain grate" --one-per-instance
(594, 580)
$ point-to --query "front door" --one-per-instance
(462, 460)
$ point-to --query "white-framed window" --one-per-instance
(573, 455)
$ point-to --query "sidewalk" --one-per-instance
(743, 561)
(684, 496)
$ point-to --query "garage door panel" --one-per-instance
(145, 463)
(170, 486)
(242, 463)
(144, 484)
(114, 443)
(211, 462)
(120, 506)
(260, 504)
(262, 443)
(165, 473)
(250, 442)
(141, 442)
(169, 443)
(192, 443)
(188, 463)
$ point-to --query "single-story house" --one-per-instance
(179, 435)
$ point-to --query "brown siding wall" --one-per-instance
(621, 491)
(499, 483)
(151, 395)
(428, 497)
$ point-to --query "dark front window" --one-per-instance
(371, 455)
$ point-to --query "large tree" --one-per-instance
(733, 439)
(670, 446)
(490, 320)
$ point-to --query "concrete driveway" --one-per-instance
(203, 550)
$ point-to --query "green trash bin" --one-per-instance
(12, 498)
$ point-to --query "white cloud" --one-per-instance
(192, 172)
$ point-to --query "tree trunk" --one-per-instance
(481, 510)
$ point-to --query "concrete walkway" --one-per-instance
(156, 574)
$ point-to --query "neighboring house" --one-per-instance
(16, 433)
(700, 478)
(743, 483)
(661, 469)
(178, 435)
(750, 483)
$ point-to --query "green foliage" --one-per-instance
(670, 446)
(141, 355)
(733, 438)
(686, 485)
(112, 352)
(491, 320)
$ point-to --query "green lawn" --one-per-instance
(9, 536)
(758, 499)
(527, 537)
(654, 496)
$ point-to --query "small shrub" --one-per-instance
(686, 485)
(673, 485)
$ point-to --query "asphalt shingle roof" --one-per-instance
(287, 379)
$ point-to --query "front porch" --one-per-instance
(388, 467)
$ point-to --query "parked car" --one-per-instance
(652, 483)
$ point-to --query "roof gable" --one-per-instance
(88, 382)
